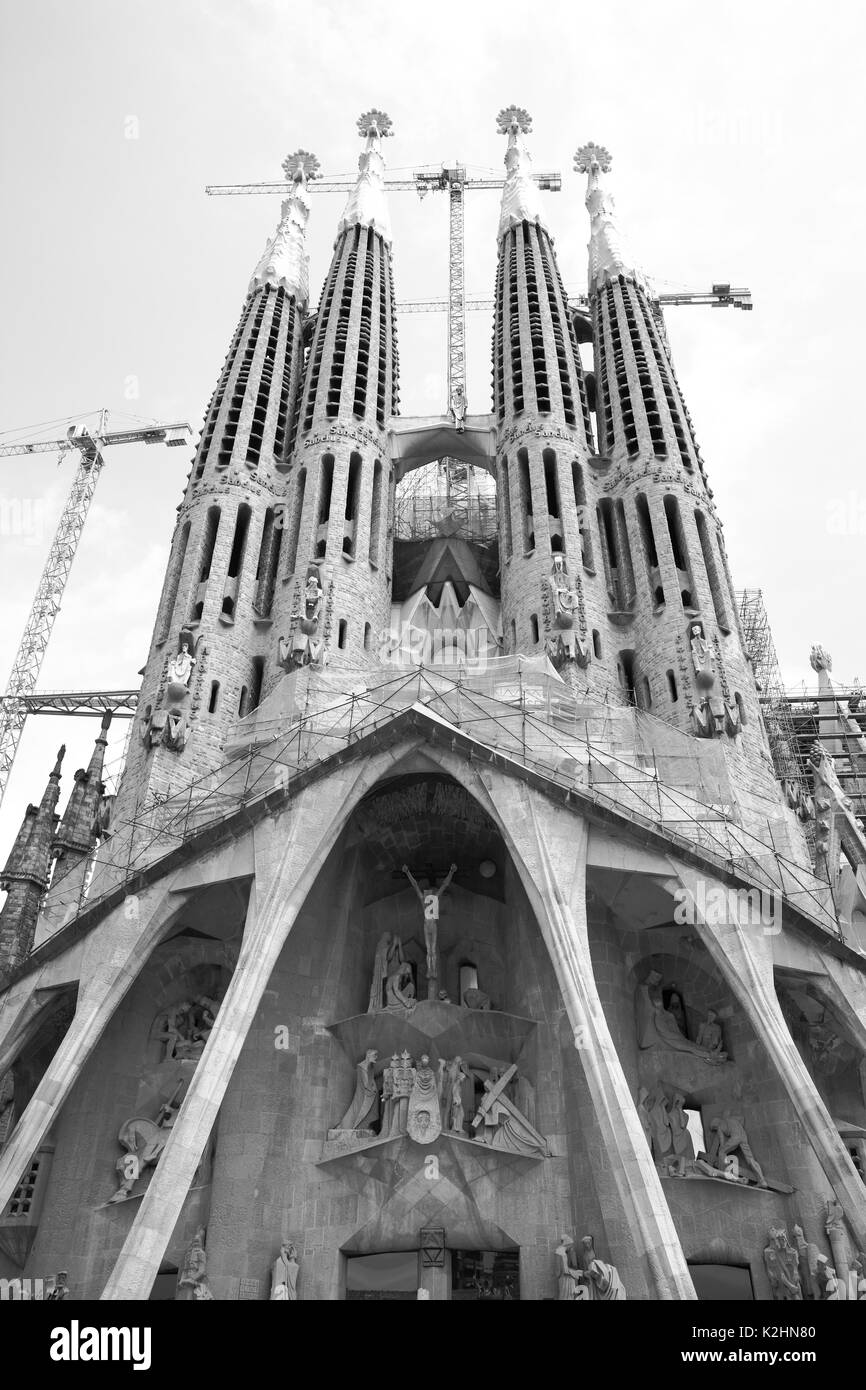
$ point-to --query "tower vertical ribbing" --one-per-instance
(334, 602)
(680, 650)
(223, 568)
(552, 588)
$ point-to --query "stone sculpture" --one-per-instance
(400, 989)
(424, 1116)
(305, 648)
(398, 1080)
(703, 660)
(284, 1275)
(729, 1139)
(458, 407)
(454, 1075)
(501, 1124)
(660, 1126)
(192, 1281)
(429, 898)
(565, 644)
(657, 1026)
(180, 666)
(476, 999)
(389, 955)
(144, 1141)
(364, 1109)
(168, 725)
(710, 1036)
(860, 1285)
(808, 1255)
(830, 1289)
(783, 1268)
(681, 1140)
(583, 1276)
(835, 1227)
(186, 1028)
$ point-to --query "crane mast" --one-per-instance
(17, 703)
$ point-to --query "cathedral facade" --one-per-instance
(452, 934)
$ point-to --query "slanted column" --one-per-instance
(745, 960)
(286, 867)
(552, 844)
(115, 955)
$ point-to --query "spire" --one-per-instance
(284, 262)
(79, 827)
(367, 206)
(608, 254)
(26, 875)
(521, 200)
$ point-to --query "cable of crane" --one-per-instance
(47, 424)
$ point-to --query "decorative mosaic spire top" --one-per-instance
(285, 263)
(367, 206)
(521, 199)
(608, 254)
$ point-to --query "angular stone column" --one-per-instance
(744, 956)
(289, 852)
(552, 844)
(117, 951)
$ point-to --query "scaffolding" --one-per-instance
(788, 758)
(512, 712)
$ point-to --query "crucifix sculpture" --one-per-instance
(429, 898)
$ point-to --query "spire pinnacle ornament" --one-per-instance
(521, 200)
(608, 255)
(284, 262)
(367, 206)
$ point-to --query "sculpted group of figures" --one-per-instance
(665, 1125)
(583, 1276)
(183, 1030)
(423, 1103)
(663, 1026)
(802, 1273)
(193, 1284)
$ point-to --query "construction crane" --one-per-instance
(719, 297)
(20, 699)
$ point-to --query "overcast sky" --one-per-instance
(737, 132)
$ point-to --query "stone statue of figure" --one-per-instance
(681, 1139)
(387, 1096)
(429, 898)
(389, 954)
(808, 1255)
(563, 597)
(180, 666)
(458, 407)
(144, 1141)
(729, 1139)
(703, 660)
(603, 1281)
(570, 1282)
(660, 1125)
(364, 1108)
(400, 989)
(828, 1282)
(398, 1081)
(305, 648)
(783, 1268)
(424, 1116)
(284, 1275)
(656, 1025)
(860, 1266)
(644, 1104)
(192, 1283)
(710, 1033)
(455, 1075)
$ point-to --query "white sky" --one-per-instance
(737, 132)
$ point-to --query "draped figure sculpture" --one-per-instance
(284, 1275)
(389, 955)
(656, 1025)
(364, 1108)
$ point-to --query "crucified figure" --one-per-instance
(430, 902)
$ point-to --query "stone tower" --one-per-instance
(206, 665)
(679, 651)
(76, 838)
(553, 595)
(333, 604)
(26, 874)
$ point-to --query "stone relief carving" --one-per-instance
(710, 1035)
(400, 990)
(143, 1141)
(730, 1148)
(284, 1275)
(424, 1116)
(192, 1281)
(502, 1126)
